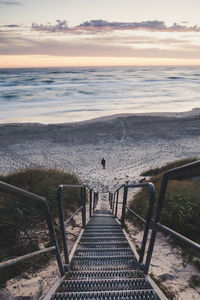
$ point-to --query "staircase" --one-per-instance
(104, 265)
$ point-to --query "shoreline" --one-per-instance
(182, 114)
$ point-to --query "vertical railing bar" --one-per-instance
(81, 194)
(83, 190)
(148, 220)
(113, 204)
(124, 205)
(94, 201)
(53, 239)
(90, 208)
(97, 199)
(62, 224)
(156, 220)
(116, 207)
(84, 206)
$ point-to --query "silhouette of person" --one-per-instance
(103, 163)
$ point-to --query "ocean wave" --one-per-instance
(175, 77)
(77, 91)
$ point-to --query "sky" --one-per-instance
(59, 33)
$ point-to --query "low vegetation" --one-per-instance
(168, 166)
(22, 222)
(194, 281)
(181, 209)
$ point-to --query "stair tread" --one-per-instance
(148, 294)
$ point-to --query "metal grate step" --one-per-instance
(105, 274)
(103, 231)
(107, 295)
(104, 285)
(113, 244)
(103, 252)
(102, 234)
(103, 239)
(107, 262)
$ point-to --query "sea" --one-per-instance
(58, 95)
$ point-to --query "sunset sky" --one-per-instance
(54, 33)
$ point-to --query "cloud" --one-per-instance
(136, 39)
(20, 45)
(16, 3)
(61, 26)
(102, 26)
(10, 26)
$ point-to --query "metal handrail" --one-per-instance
(147, 220)
(73, 215)
(7, 188)
(156, 225)
(93, 199)
(63, 223)
(136, 215)
(112, 203)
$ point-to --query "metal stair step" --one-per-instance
(102, 239)
(108, 295)
(103, 231)
(113, 244)
(103, 252)
(103, 244)
(108, 262)
(100, 234)
(103, 226)
(104, 285)
(104, 274)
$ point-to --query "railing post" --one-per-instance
(113, 204)
(62, 224)
(155, 225)
(110, 199)
(83, 207)
(83, 197)
(90, 209)
(94, 196)
(148, 220)
(97, 198)
(116, 207)
(124, 205)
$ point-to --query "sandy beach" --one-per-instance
(129, 143)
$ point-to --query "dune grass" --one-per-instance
(181, 209)
(168, 166)
(22, 222)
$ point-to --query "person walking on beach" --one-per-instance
(103, 163)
